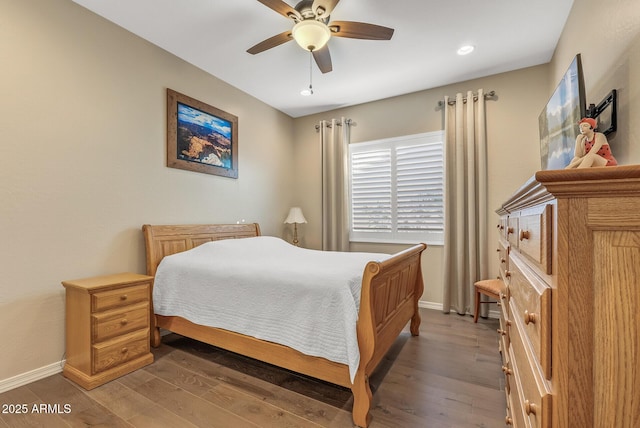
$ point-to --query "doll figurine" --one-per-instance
(592, 148)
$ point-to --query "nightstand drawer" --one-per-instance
(105, 325)
(120, 297)
(114, 352)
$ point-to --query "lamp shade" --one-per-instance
(310, 34)
(295, 216)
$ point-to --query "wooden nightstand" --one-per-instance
(107, 327)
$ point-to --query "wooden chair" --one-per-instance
(488, 287)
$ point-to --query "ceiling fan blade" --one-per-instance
(282, 8)
(324, 8)
(271, 42)
(323, 59)
(360, 30)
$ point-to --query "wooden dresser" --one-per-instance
(107, 327)
(569, 253)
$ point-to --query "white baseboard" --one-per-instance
(31, 376)
(438, 306)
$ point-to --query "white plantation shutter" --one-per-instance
(397, 189)
(371, 198)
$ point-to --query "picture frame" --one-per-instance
(558, 121)
(200, 137)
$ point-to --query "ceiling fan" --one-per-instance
(312, 29)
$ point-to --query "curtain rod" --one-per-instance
(328, 125)
(464, 99)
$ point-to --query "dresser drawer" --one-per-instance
(530, 306)
(534, 236)
(120, 297)
(513, 396)
(503, 257)
(512, 231)
(505, 324)
(533, 391)
(502, 227)
(108, 324)
(114, 352)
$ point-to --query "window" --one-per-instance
(396, 189)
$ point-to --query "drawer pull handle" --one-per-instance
(507, 371)
(508, 420)
(124, 350)
(124, 321)
(530, 318)
(124, 297)
(524, 234)
(530, 408)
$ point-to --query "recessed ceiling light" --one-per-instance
(465, 50)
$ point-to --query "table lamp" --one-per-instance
(295, 216)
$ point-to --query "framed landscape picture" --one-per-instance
(200, 137)
(558, 122)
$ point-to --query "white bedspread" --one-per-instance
(269, 289)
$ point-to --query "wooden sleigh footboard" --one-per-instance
(389, 300)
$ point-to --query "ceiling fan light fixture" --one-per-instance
(311, 35)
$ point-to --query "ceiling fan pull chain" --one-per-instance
(310, 73)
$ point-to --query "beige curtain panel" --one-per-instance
(465, 254)
(334, 140)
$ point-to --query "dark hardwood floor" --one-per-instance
(449, 376)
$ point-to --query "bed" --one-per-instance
(388, 297)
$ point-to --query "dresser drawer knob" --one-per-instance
(506, 370)
(503, 260)
(530, 408)
(524, 234)
(501, 332)
(124, 297)
(124, 350)
(510, 230)
(530, 318)
(507, 274)
(508, 420)
(124, 321)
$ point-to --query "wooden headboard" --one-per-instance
(161, 241)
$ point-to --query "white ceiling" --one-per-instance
(214, 36)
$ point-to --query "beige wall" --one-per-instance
(605, 34)
(512, 127)
(82, 163)
(82, 148)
